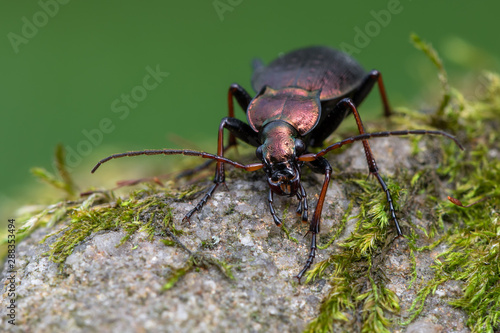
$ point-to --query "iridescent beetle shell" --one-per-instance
(315, 68)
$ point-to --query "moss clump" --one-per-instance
(150, 214)
(472, 254)
(49, 215)
(63, 180)
(354, 274)
(198, 260)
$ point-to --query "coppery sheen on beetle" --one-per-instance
(302, 98)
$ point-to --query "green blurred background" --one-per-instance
(66, 65)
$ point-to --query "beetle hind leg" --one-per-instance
(310, 258)
(367, 85)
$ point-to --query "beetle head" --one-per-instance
(278, 153)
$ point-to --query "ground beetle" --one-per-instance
(303, 96)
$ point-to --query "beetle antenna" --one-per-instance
(311, 156)
(187, 152)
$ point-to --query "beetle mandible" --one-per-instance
(303, 96)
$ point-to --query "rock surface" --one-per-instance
(104, 288)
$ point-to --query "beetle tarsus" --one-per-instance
(310, 259)
(389, 201)
(276, 219)
(302, 207)
(321, 165)
(305, 207)
(202, 202)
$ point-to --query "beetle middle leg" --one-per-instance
(240, 130)
(243, 98)
(370, 159)
(335, 115)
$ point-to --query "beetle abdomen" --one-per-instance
(312, 68)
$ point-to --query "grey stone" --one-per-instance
(104, 288)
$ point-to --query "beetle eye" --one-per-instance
(258, 153)
(300, 147)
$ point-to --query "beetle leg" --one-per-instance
(335, 115)
(202, 202)
(242, 131)
(323, 166)
(367, 85)
(370, 159)
(243, 99)
(302, 207)
(299, 206)
(276, 219)
(195, 170)
(309, 157)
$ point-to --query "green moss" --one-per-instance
(356, 283)
(122, 214)
(50, 214)
(212, 244)
(472, 255)
(443, 78)
(63, 180)
(196, 261)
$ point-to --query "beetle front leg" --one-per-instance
(243, 98)
(303, 207)
(243, 132)
(319, 165)
(276, 219)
